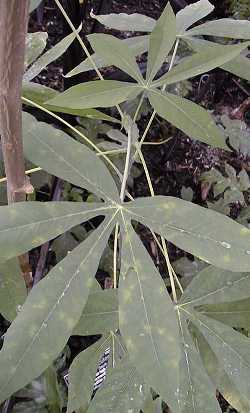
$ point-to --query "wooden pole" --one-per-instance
(13, 29)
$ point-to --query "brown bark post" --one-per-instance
(13, 29)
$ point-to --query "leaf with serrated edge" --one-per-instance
(62, 156)
(50, 56)
(50, 313)
(196, 393)
(200, 62)
(123, 390)
(161, 41)
(151, 338)
(117, 53)
(134, 22)
(12, 289)
(97, 93)
(235, 29)
(189, 117)
(26, 225)
(217, 374)
(191, 14)
(82, 374)
(204, 233)
(137, 45)
(230, 347)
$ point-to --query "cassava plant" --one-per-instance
(183, 346)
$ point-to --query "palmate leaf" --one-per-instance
(61, 156)
(50, 56)
(40, 94)
(221, 295)
(137, 45)
(213, 285)
(123, 390)
(192, 119)
(204, 233)
(235, 313)
(147, 319)
(134, 22)
(217, 374)
(239, 66)
(24, 226)
(161, 41)
(224, 351)
(196, 392)
(50, 313)
(82, 374)
(191, 14)
(100, 313)
(117, 53)
(231, 349)
(12, 289)
(201, 62)
(235, 29)
(99, 93)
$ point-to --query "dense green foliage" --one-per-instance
(182, 347)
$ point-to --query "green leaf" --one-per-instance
(196, 393)
(36, 92)
(218, 376)
(134, 22)
(231, 349)
(201, 62)
(147, 319)
(117, 53)
(123, 391)
(100, 314)
(62, 156)
(191, 14)
(99, 93)
(239, 66)
(40, 94)
(137, 45)
(192, 119)
(161, 41)
(49, 314)
(50, 56)
(213, 285)
(206, 234)
(12, 289)
(234, 314)
(235, 29)
(24, 226)
(34, 4)
(82, 374)
(35, 44)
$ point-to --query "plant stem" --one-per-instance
(83, 46)
(29, 171)
(13, 28)
(115, 255)
(126, 168)
(163, 89)
(164, 250)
